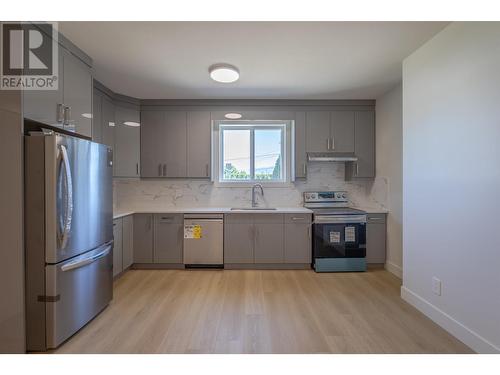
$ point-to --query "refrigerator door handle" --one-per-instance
(68, 198)
(85, 261)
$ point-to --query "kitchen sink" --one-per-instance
(253, 209)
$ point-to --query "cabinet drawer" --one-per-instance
(169, 218)
(297, 218)
(238, 218)
(376, 218)
(268, 218)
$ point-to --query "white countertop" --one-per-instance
(118, 213)
(372, 210)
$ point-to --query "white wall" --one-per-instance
(451, 181)
(389, 167)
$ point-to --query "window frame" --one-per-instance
(284, 126)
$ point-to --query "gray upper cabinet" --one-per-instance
(127, 142)
(108, 122)
(238, 239)
(153, 148)
(317, 131)
(117, 247)
(168, 238)
(198, 144)
(97, 116)
(269, 232)
(342, 131)
(364, 146)
(77, 95)
(297, 238)
(300, 145)
(128, 241)
(143, 238)
(175, 144)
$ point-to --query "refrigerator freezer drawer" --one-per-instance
(76, 291)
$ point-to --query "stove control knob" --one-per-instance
(344, 196)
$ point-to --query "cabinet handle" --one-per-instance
(67, 115)
(206, 170)
(297, 218)
(159, 169)
(374, 218)
(164, 170)
(305, 168)
(333, 143)
(328, 143)
(60, 112)
(357, 169)
(137, 169)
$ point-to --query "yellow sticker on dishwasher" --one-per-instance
(192, 231)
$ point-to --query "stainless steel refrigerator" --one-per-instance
(68, 235)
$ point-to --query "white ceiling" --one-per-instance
(280, 60)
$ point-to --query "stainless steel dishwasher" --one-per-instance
(204, 240)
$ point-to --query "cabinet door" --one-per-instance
(238, 239)
(97, 116)
(175, 144)
(143, 238)
(342, 131)
(198, 144)
(128, 241)
(43, 105)
(168, 238)
(364, 145)
(298, 239)
(108, 122)
(117, 247)
(269, 231)
(317, 131)
(300, 145)
(375, 243)
(127, 142)
(153, 143)
(77, 94)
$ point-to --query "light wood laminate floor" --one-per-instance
(250, 311)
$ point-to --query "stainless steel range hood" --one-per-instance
(332, 156)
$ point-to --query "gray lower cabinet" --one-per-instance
(168, 238)
(364, 147)
(268, 238)
(143, 238)
(238, 239)
(297, 238)
(117, 247)
(127, 241)
(300, 145)
(198, 144)
(127, 141)
(376, 238)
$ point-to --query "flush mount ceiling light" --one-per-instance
(224, 73)
(131, 123)
(232, 116)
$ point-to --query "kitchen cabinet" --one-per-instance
(364, 147)
(268, 238)
(174, 165)
(297, 238)
(97, 116)
(376, 238)
(330, 131)
(117, 247)
(70, 106)
(143, 238)
(107, 122)
(127, 241)
(168, 238)
(198, 144)
(126, 142)
(153, 150)
(238, 239)
(300, 164)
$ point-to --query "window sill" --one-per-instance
(285, 184)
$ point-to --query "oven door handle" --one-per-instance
(340, 219)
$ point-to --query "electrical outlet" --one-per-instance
(436, 286)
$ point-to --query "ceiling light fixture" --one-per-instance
(233, 116)
(131, 123)
(224, 73)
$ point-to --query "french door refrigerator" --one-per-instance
(68, 235)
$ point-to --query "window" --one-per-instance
(252, 153)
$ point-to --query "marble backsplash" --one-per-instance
(150, 193)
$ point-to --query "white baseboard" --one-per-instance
(394, 269)
(457, 329)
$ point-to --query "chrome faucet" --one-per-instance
(254, 202)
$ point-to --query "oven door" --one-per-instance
(339, 236)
